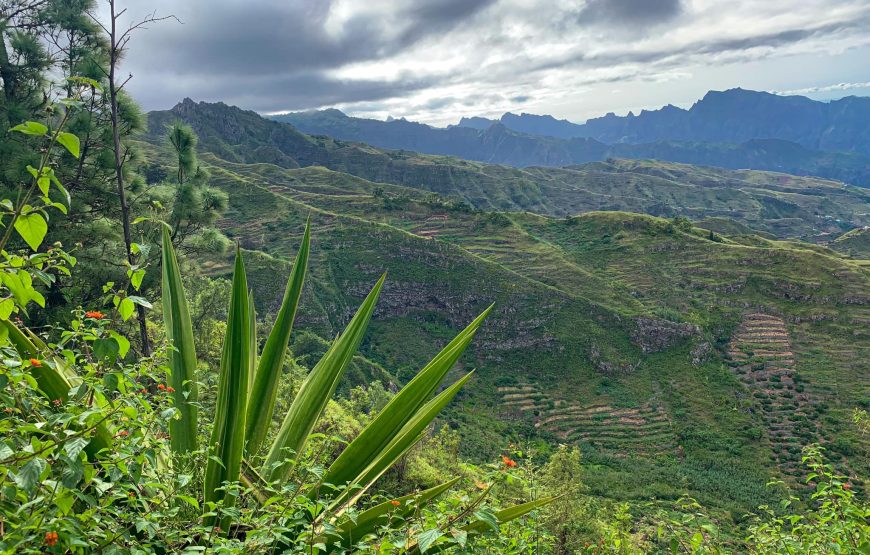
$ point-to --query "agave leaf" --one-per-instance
(506, 515)
(54, 379)
(390, 420)
(182, 356)
(316, 391)
(370, 520)
(264, 389)
(478, 527)
(407, 437)
(228, 434)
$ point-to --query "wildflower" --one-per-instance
(170, 389)
(51, 539)
(123, 433)
(395, 503)
(847, 486)
(508, 462)
(56, 402)
(35, 362)
(143, 391)
(161, 387)
(95, 314)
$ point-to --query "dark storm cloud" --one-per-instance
(284, 47)
(630, 12)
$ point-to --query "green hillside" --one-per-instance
(688, 360)
(784, 205)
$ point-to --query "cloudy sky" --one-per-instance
(438, 60)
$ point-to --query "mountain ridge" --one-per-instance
(523, 141)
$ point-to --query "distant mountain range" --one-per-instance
(732, 116)
(731, 129)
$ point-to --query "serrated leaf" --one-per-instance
(28, 476)
(75, 446)
(427, 538)
(70, 142)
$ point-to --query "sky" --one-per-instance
(436, 61)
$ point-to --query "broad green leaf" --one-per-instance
(123, 343)
(228, 433)
(7, 305)
(126, 308)
(317, 389)
(32, 228)
(31, 128)
(28, 476)
(136, 277)
(383, 429)
(265, 387)
(426, 538)
(70, 142)
(182, 355)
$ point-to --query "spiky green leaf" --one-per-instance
(227, 442)
(316, 391)
(383, 429)
(264, 390)
(182, 355)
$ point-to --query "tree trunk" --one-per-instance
(114, 55)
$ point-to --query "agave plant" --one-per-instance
(247, 392)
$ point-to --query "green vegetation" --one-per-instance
(636, 386)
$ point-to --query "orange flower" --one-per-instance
(170, 389)
(95, 314)
(161, 387)
(123, 433)
(508, 462)
(35, 362)
(395, 503)
(51, 539)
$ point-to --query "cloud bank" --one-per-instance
(438, 59)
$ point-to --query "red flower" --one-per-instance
(95, 314)
(508, 462)
(35, 362)
(51, 539)
(161, 387)
(170, 389)
(395, 503)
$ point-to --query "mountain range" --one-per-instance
(732, 129)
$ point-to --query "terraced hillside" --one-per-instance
(646, 430)
(614, 329)
(761, 355)
(784, 205)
